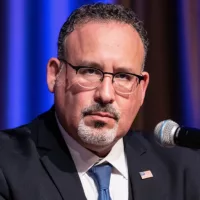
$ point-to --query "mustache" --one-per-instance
(102, 108)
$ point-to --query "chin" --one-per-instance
(98, 135)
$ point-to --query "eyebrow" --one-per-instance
(125, 69)
(99, 66)
(90, 64)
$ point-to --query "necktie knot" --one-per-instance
(101, 176)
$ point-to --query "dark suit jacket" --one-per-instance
(35, 164)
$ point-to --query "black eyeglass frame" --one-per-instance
(76, 68)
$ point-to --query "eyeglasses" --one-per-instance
(91, 78)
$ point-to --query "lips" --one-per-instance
(102, 114)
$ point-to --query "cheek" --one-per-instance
(129, 108)
(127, 115)
(74, 104)
(71, 99)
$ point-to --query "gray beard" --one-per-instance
(96, 135)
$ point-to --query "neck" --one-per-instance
(100, 151)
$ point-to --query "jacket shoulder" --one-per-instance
(15, 135)
(175, 155)
(16, 144)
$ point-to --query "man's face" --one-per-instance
(98, 117)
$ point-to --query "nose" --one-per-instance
(105, 93)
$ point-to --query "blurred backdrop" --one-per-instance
(28, 37)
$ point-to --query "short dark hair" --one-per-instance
(104, 12)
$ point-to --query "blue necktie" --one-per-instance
(101, 176)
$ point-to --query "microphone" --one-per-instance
(168, 134)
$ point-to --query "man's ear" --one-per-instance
(144, 84)
(53, 68)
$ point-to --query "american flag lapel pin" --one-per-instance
(146, 174)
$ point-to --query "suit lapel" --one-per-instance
(56, 158)
(140, 159)
(63, 173)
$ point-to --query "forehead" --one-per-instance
(111, 42)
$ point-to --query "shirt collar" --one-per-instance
(86, 159)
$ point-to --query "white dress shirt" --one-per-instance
(85, 159)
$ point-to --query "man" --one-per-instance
(85, 141)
